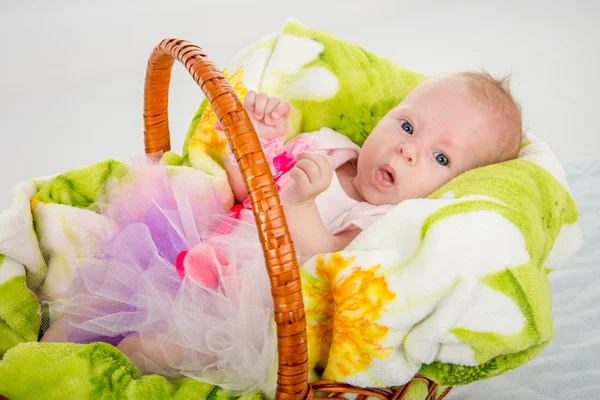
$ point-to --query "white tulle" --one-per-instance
(221, 334)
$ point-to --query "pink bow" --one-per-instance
(202, 265)
(286, 161)
(282, 163)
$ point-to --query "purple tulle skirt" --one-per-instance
(179, 270)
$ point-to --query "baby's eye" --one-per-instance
(406, 126)
(441, 159)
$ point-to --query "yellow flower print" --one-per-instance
(206, 138)
(318, 304)
(341, 313)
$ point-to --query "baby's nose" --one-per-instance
(408, 154)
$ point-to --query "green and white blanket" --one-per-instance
(453, 286)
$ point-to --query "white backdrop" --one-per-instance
(72, 71)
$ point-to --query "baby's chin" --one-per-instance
(379, 199)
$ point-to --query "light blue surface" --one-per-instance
(568, 369)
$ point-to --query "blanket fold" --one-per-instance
(455, 307)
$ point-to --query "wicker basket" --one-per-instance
(280, 258)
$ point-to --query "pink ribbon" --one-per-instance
(281, 163)
(287, 162)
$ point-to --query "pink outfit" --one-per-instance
(338, 211)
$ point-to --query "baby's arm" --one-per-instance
(311, 176)
(269, 117)
(309, 233)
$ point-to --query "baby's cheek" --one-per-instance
(435, 181)
(414, 189)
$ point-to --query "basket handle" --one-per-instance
(280, 257)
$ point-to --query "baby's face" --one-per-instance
(438, 132)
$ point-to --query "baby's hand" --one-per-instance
(268, 114)
(310, 177)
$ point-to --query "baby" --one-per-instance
(449, 124)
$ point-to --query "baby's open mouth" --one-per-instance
(388, 176)
(385, 177)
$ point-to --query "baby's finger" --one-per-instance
(325, 165)
(302, 155)
(310, 168)
(299, 178)
(281, 111)
(323, 162)
(260, 105)
(249, 100)
(272, 103)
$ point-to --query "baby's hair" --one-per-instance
(496, 93)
